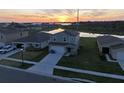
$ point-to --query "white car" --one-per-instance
(7, 48)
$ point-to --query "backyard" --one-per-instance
(15, 64)
(89, 59)
(31, 54)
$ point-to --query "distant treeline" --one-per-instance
(106, 27)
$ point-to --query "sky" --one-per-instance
(60, 15)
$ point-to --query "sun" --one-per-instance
(62, 18)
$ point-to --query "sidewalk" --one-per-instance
(91, 72)
(19, 60)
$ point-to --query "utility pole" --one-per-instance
(77, 18)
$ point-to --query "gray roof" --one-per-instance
(60, 43)
(71, 32)
(36, 38)
(11, 30)
(66, 31)
(117, 46)
(107, 41)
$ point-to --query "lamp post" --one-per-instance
(22, 55)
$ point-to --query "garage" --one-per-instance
(58, 49)
(120, 56)
(19, 45)
(120, 59)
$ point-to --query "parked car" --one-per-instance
(7, 49)
(1, 47)
(52, 52)
(2, 51)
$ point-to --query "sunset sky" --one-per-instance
(54, 15)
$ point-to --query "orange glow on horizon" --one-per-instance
(62, 18)
(64, 15)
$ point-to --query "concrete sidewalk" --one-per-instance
(19, 60)
(91, 72)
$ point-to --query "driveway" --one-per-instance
(47, 64)
(2, 56)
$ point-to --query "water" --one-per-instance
(84, 34)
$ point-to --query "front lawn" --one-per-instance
(89, 59)
(31, 54)
(98, 79)
(15, 64)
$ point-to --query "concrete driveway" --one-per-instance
(47, 64)
(2, 56)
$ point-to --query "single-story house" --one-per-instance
(110, 45)
(38, 40)
(64, 41)
(105, 42)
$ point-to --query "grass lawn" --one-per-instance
(31, 54)
(97, 79)
(15, 64)
(89, 59)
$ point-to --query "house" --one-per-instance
(110, 45)
(64, 40)
(116, 50)
(7, 35)
(38, 40)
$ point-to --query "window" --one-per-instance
(54, 39)
(36, 45)
(105, 50)
(64, 39)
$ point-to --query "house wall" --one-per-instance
(44, 44)
(39, 45)
(64, 38)
(12, 36)
(2, 38)
(99, 47)
(34, 44)
(22, 34)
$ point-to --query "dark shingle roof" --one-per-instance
(71, 32)
(38, 38)
(109, 40)
(117, 46)
(11, 30)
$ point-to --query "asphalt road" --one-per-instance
(8, 75)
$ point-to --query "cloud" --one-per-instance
(54, 14)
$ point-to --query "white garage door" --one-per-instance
(120, 56)
(58, 49)
(120, 59)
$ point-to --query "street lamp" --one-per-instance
(22, 55)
